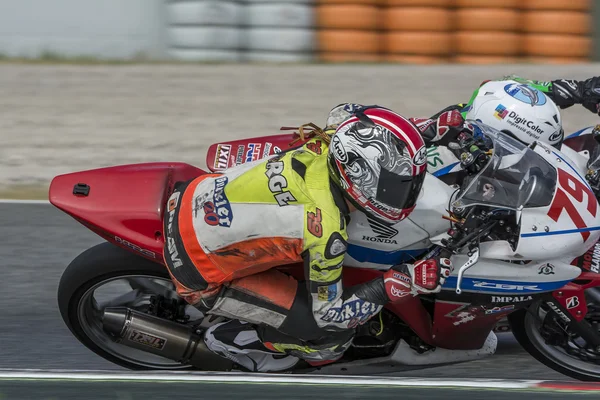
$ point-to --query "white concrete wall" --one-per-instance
(100, 28)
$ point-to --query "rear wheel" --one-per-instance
(550, 341)
(109, 276)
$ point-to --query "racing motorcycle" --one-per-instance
(523, 234)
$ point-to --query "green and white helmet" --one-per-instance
(518, 109)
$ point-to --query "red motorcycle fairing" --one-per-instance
(124, 204)
(223, 155)
(572, 296)
(454, 326)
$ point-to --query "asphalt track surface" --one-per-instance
(38, 241)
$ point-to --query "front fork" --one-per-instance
(570, 305)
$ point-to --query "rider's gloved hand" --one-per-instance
(422, 277)
(441, 130)
(449, 125)
(591, 94)
(567, 92)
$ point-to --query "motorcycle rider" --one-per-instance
(226, 232)
(525, 109)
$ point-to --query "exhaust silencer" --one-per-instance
(161, 337)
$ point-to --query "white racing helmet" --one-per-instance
(518, 109)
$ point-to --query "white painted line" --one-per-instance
(16, 201)
(232, 377)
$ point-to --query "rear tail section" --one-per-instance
(122, 204)
(223, 155)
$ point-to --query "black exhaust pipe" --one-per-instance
(161, 337)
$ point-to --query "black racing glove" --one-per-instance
(566, 92)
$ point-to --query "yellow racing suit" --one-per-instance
(226, 232)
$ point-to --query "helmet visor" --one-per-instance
(398, 191)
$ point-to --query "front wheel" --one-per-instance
(549, 340)
(109, 276)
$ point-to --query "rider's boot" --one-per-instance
(268, 350)
(239, 342)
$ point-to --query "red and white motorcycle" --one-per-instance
(523, 233)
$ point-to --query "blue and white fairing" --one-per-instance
(558, 215)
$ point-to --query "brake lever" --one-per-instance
(473, 258)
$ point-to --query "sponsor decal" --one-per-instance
(172, 205)
(420, 157)
(267, 150)
(558, 311)
(572, 302)
(579, 192)
(278, 183)
(276, 150)
(422, 123)
(460, 309)
(463, 318)
(591, 259)
(379, 240)
(524, 125)
(253, 152)
(358, 310)
(315, 147)
(547, 269)
(398, 292)
(383, 233)
(222, 156)
(313, 223)
(401, 277)
(338, 149)
(503, 286)
(511, 299)
(526, 94)
(501, 112)
(135, 247)
(433, 157)
(327, 293)
(147, 339)
(239, 158)
(499, 309)
(218, 212)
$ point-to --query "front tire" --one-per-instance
(526, 327)
(109, 266)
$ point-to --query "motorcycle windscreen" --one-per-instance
(515, 176)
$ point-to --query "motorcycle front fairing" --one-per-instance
(375, 245)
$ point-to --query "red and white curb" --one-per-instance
(232, 377)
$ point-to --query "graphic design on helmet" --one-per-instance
(526, 94)
(526, 113)
(379, 159)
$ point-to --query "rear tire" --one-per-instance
(95, 265)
